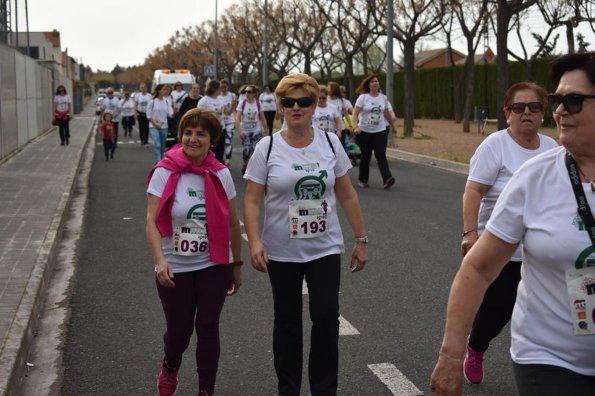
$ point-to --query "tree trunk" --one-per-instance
(409, 94)
(503, 21)
(350, 77)
(469, 88)
(307, 61)
(570, 37)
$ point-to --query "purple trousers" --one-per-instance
(195, 302)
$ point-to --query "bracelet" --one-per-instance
(444, 355)
(238, 263)
(465, 233)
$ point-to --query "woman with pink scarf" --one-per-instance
(196, 266)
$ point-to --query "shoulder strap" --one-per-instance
(270, 148)
(244, 105)
(330, 143)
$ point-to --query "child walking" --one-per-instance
(109, 137)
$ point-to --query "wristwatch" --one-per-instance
(363, 239)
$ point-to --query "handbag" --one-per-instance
(54, 121)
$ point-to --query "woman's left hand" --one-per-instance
(236, 281)
(359, 257)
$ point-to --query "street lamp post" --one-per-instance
(265, 46)
(216, 49)
(389, 61)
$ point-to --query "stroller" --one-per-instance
(353, 151)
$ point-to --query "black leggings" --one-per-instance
(546, 380)
(496, 309)
(270, 117)
(376, 142)
(64, 130)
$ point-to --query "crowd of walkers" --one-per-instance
(528, 251)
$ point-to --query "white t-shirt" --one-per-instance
(267, 102)
(228, 99)
(371, 117)
(127, 107)
(111, 106)
(178, 97)
(293, 174)
(142, 101)
(216, 105)
(538, 207)
(324, 118)
(249, 117)
(62, 103)
(189, 203)
(159, 110)
(493, 164)
(338, 103)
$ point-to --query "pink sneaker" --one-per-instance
(473, 366)
(167, 382)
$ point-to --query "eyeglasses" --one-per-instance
(519, 107)
(301, 102)
(573, 103)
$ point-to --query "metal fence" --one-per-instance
(27, 90)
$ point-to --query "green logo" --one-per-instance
(197, 212)
(311, 187)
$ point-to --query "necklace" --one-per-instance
(592, 182)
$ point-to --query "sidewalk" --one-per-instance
(36, 186)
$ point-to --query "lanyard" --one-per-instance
(584, 210)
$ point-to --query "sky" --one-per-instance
(106, 33)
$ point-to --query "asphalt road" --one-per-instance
(395, 307)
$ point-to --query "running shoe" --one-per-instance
(473, 366)
(361, 184)
(389, 183)
(167, 382)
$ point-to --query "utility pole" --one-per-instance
(390, 75)
(265, 46)
(216, 48)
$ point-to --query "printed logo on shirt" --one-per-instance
(195, 194)
(306, 167)
(578, 222)
(586, 258)
(311, 187)
(197, 212)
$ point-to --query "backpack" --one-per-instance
(244, 105)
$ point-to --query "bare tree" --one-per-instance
(568, 13)
(414, 19)
(505, 10)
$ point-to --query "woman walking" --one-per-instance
(372, 110)
(250, 123)
(62, 114)
(158, 111)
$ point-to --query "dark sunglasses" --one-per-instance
(301, 102)
(322, 98)
(519, 107)
(249, 92)
(573, 103)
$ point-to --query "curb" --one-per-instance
(26, 321)
(451, 166)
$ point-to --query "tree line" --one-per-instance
(330, 38)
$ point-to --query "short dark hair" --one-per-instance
(60, 87)
(212, 87)
(570, 62)
(522, 86)
(204, 118)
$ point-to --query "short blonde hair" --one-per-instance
(294, 81)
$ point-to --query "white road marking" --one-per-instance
(345, 328)
(245, 236)
(396, 382)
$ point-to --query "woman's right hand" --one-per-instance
(447, 377)
(259, 256)
(468, 242)
(164, 274)
(357, 130)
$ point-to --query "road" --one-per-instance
(392, 314)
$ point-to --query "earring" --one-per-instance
(542, 120)
(508, 122)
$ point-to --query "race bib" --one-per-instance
(374, 120)
(190, 238)
(581, 295)
(308, 218)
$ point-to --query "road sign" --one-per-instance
(209, 71)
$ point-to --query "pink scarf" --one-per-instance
(217, 204)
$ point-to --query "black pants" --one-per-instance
(323, 280)
(108, 148)
(219, 149)
(64, 131)
(496, 309)
(376, 142)
(143, 128)
(115, 133)
(270, 117)
(546, 380)
(127, 124)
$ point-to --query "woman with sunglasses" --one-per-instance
(305, 173)
(493, 164)
(372, 110)
(214, 102)
(62, 114)
(250, 123)
(546, 206)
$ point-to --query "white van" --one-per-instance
(171, 76)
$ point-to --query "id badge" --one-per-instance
(308, 218)
(581, 295)
(190, 237)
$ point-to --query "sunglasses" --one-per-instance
(322, 98)
(573, 103)
(301, 102)
(249, 92)
(519, 107)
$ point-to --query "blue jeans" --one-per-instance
(159, 136)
